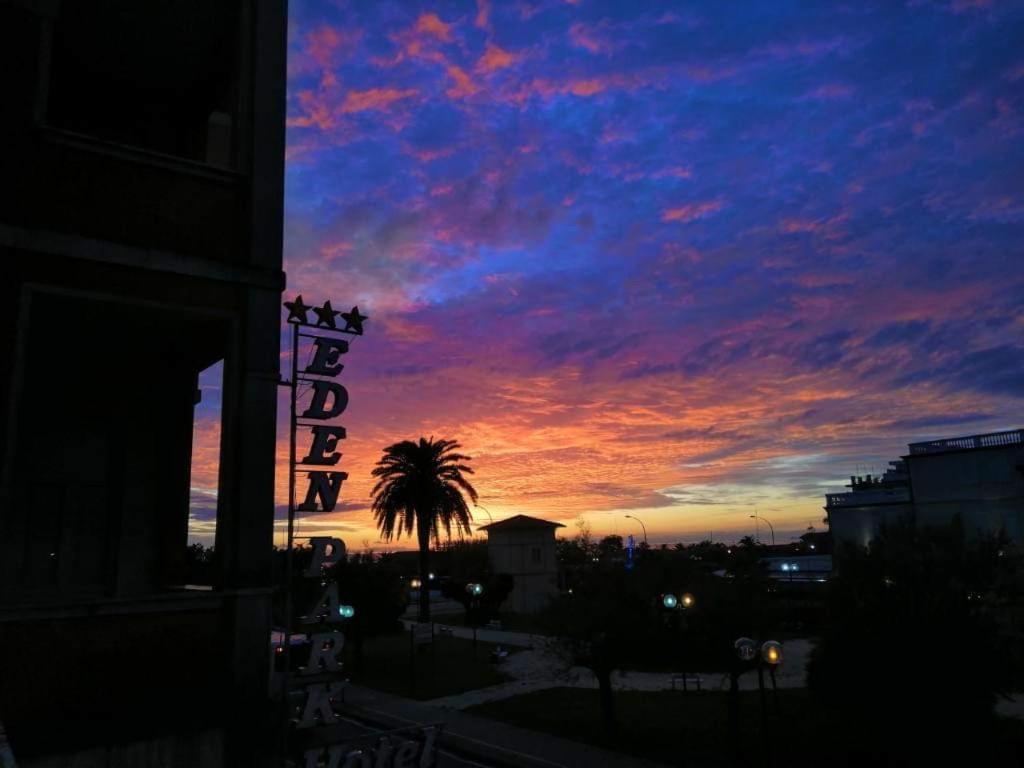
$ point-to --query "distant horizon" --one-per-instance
(681, 264)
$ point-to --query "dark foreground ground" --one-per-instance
(681, 729)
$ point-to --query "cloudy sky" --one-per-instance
(675, 260)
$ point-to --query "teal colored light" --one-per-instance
(669, 601)
(346, 611)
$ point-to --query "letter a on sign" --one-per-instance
(327, 608)
(326, 485)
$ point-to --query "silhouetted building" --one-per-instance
(524, 547)
(978, 478)
(140, 242)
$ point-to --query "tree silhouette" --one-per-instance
(421, 486)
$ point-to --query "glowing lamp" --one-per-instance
(669, 601)
(475, 589)
(687, 600)
(771, 652)
(346, 611)
(415, 583)
(746, 649)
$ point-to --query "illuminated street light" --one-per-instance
(669, 601)
(415, 583)
(746, 649)
(687, 600)
(475, 589)
(346, 611)
(771, 652)
(642, 526)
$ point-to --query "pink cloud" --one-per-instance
(483, 14)
(374, 98)
(692, 211)
(587, 37)
(830, 228)
(495, 58)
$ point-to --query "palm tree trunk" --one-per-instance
(423, 532)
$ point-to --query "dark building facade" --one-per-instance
(977, 478)
(141, 211)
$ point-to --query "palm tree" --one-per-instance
(421, 485)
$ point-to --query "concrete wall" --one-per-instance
(859, 525)
(529, 556)
(985, 487)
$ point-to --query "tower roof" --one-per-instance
(518, 522)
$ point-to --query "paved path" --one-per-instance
(539, 667)
(478, 741)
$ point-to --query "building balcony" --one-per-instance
(989, 440)
(87, 187)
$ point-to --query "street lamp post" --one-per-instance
(642, 526)
(489, 517)
(770, 526)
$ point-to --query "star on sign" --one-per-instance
(297, 310)
(353, 320)
(325, 315)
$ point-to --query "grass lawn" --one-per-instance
(692, 729)
(448, 667)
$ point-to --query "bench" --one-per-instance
(685, 680)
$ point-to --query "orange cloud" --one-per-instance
(586, 87)
(431, 24)
(464, 86)
(374, 98)
(316, 112)
(495, 58)
(692, 211)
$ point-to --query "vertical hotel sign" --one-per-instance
(328, 400)
(318, 684)
(311, 697)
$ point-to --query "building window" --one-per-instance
(174, 92)
(101, 461)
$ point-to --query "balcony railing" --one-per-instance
(867, 498)
(990, 440)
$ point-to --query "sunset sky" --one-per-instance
(677, 260)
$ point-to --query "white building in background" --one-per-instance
(980, 478)
(524, 547)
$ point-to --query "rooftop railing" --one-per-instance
(990, 440)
